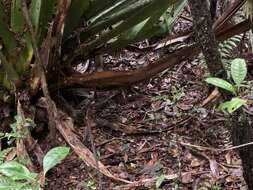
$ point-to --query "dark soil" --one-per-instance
(165, 112)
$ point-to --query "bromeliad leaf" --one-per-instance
(232, 105)
(238, 70)
(221, 84)
(54, 157)
(17, 20)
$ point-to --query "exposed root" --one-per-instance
(35, 148)
(65, 127)
(109, 79)
(214, 95)
(20, 145)
(148, 182)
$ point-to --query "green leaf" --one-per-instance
(238, 70)
(8, 68)
(31, 187)
(17, 19)
(4, 153)
(138, 15)
(159, 181)
(75, 13)
(232, 105)
(54, 157)
(16, 171)
(6, 35)
(42, 13)
(9, 184)
(35, 8)
(221, 84)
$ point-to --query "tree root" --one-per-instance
(110, 79)
(65, 127)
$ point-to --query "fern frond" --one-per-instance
(226, 49)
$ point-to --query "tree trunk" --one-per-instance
(213, 9)
(239, 124)
(242, 133)
(205, 35)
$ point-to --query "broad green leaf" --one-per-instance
(9, 184)
(120, 11)
(16, 171)
(132, 20)
(4, 153)
(6, 35)
(45, 15)
(232, 105)
(159, 181)
(147, 28)
(221, 84)
(8, 68)
(17, 19)
(75, 13)
(41, 13)
(31, 187)
(54, 157)
(35, 9)
(238, 70)
(100, 8)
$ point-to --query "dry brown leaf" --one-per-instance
(195, 163)
(228, 158)
(214, 168)
(186, 178)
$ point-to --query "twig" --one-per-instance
(215, 149)
(148, 182)
(215, 93)
(89, 125)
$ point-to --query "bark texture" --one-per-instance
(242, 133)
(239, 123)
(213, 8)
(205, 35)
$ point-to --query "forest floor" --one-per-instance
(150, 130)
(160, 127)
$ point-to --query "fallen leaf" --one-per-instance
(195, 162)
(125, 157)
(152, 169)
(187, 178)
(174, 152)
(236, 172)
(228, 158)
(214, 168)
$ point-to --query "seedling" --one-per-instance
(160, 179)
(238, 73)
(14, 134)
(14, 175)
